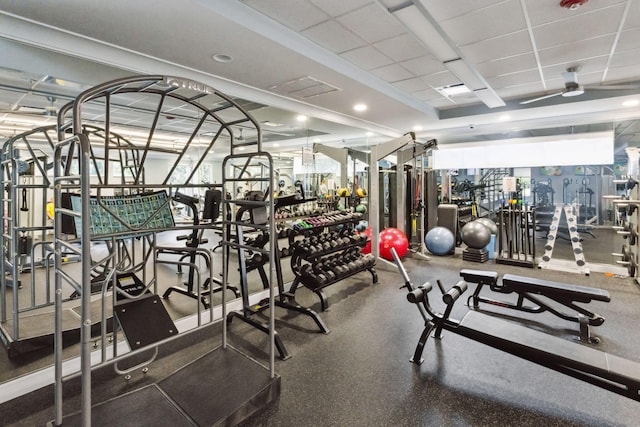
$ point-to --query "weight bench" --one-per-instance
(601, 369)
(527, 287)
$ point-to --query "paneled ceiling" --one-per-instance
(320, 57)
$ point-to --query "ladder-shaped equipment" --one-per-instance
(569, 213)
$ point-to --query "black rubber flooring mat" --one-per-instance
(147, 406)
(222, 387)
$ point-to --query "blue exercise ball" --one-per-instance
(475, 234)
(440, 241)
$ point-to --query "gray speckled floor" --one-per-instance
(360, 375)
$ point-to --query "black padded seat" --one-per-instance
(549, 288)
(550, 351)
(479, 276)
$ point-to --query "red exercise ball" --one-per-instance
(367, 248)
(393, 238)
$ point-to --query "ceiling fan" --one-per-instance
(573, 88)
(48, 111)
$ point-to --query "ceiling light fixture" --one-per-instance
(453, 90)
(504, 118)
(417, 128)
(360, 107)
(222, 58)
(301, 118)
(631, 103)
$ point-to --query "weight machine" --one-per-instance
(379, 152)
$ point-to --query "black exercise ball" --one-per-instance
(493, 228)
(475, 235)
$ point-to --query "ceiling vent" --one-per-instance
(303, 88)
(457, 89)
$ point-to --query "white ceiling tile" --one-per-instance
(633, 18)
(626, 58)
(372, 23)
(427, 94)
(334, 37)
(514, 79)
(423, 65)
(508, 65)
(542, 12)
(401, 48)
(575, 52)
(443, 10)
(296, 15)
(629, 40)
(498, 47)
(622, 73)
(582, 27)
(411, 85)
(335, 7)
(366, 57)
(444, 78)
(392, 73)
(485, 23)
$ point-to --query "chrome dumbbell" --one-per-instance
(628, 259)
(629, 231)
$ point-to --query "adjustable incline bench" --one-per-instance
(527, 287)
(604, 370)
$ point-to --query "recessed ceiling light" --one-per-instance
(417, 128)
(369, 134)
(301, 118)
(631, 103)
(360, 107)
(316, 140)
(221, 57)
(504, 118)
(275, 144)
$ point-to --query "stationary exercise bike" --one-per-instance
(190, 253)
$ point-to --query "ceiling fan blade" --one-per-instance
(529, 101)
(614, 87)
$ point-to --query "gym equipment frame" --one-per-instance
(595, 367)
(207, 118)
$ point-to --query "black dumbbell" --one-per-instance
(321, 279)
(305, 269)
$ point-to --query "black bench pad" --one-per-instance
(547, 349)
(553, 289)
(479, 276)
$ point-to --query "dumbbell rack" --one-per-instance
(324, 258)
(284, 299)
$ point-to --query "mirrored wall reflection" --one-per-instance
(588, 189)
